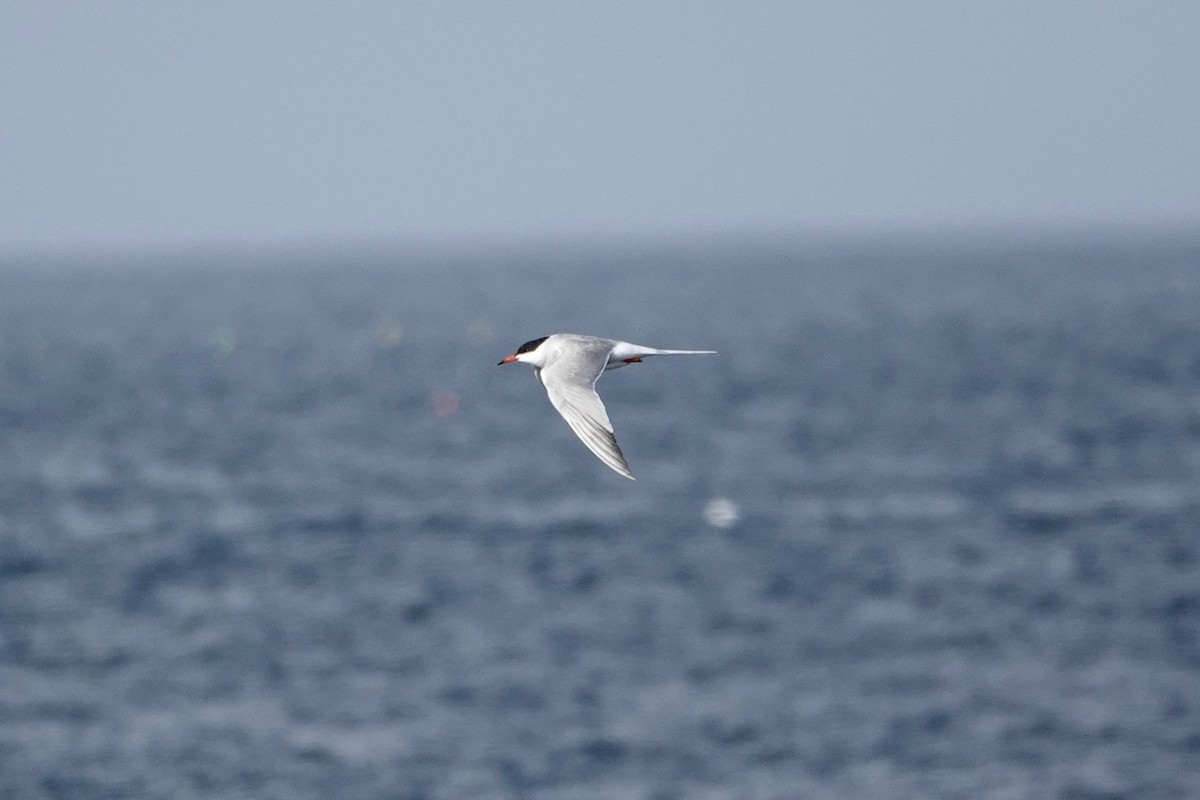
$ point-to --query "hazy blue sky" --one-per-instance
(210, 122)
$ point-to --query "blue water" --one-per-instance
(928, 526)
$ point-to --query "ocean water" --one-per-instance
(928, 526)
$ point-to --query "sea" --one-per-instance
(275, 525)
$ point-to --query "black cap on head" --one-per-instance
(532, 344)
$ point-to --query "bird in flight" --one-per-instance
(568, 365)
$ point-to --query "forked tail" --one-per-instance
(629, 353)
(680, 352)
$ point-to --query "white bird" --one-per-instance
(568, 365)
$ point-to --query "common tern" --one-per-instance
(568, 365)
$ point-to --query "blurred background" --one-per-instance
(272, 524)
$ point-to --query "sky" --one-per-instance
(135, 125)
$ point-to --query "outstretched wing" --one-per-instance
(570, 382)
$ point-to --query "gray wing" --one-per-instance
(570, 382)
